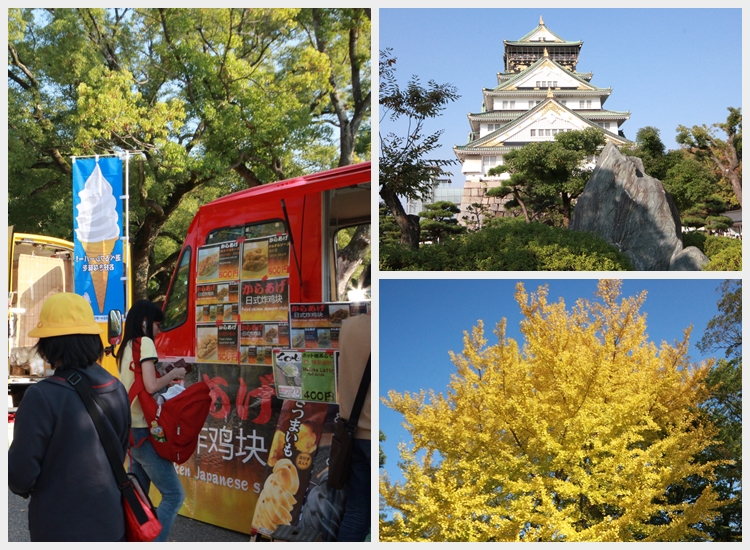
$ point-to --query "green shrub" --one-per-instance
(714, 245)
(724, 254)
(510, 245)
(696, 239)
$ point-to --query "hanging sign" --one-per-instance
(307, 375)
(317, 325)
(97, 228)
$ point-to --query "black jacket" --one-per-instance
(57, 458)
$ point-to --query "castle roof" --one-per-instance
(541, 34)
(508, 115)
(499, 138)
(504, 77)
(541, 63)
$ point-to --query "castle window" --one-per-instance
(533, 133)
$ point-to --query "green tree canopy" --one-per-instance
(549, 172)
(381, 454)
(387, 227)
(724, 154)
(406, 169)
(724, 408)
(439, 221)
(651, 150)
(211, 101)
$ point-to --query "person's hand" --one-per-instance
(177, 374)
(165, 368)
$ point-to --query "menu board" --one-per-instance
(306, 375)
(242, 300)
(253, 443)
(257, 341)
(317, 325)
(219, 262)
(243, 317)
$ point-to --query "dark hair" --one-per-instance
(71, 350)
(140, 311)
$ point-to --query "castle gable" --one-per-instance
(541, 123)
(547, 74)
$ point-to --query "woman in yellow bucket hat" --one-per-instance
(56, 457)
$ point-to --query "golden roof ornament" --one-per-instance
(549, 92)
(546, 53)
(541, 21)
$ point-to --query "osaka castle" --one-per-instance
(540, 94)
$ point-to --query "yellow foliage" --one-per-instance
(576, 436)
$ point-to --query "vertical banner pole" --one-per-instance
(126, 223)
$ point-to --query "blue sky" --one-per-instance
(421, 320)
(666, 66)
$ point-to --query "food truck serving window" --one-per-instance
(176, 308)
(352, 252)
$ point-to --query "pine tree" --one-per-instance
(581, 433)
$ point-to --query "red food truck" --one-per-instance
(264, 279)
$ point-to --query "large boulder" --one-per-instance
(633, 211)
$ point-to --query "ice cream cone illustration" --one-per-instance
(99, 253)
(98, 230)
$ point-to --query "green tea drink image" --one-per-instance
(291, 372)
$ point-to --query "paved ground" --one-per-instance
(184, 529)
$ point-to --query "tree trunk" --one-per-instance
(348, 128)
(351, 257)
(736, 182)
(139, 272)
(566, 200)
(517, 196)
(346, 142)
(408, 225)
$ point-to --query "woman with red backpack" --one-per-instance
(142, 325)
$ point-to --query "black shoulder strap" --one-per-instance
(108, 439)
(360, 399)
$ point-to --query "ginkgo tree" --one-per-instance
(579, 433)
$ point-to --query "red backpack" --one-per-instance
(181, 418)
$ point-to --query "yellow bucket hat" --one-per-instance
(63, 314)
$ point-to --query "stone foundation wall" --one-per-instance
(476, 192)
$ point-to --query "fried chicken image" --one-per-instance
(254, 259)
(339, 315)
(207, 346)
(208, 264)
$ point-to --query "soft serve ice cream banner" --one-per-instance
(97, 224)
